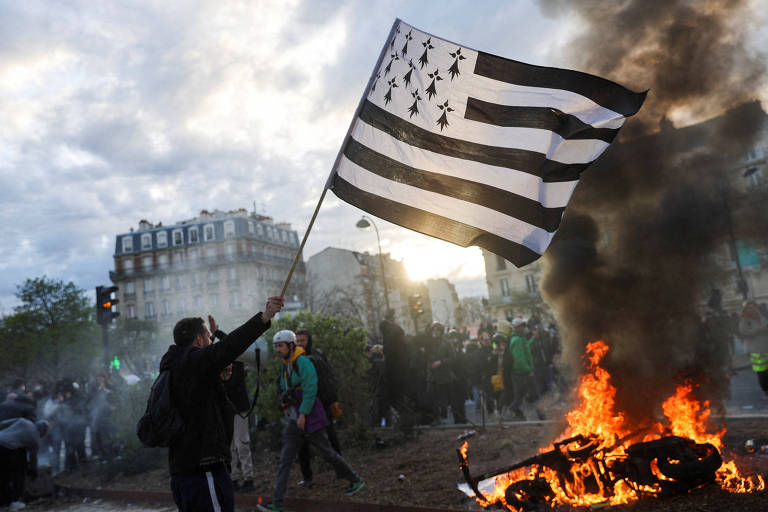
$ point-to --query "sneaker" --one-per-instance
(307, 483)
(269, 508)
(355, 488)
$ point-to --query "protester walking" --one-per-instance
(304, 419)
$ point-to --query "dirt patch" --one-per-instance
(424, 471)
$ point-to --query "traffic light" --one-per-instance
(414, 303)
(104, 303)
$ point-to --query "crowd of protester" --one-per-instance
(72, 409)
(506, 368)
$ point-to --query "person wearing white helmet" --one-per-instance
(305, 419)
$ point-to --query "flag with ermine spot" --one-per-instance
(472, 148)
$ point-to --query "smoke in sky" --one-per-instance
(632, 260)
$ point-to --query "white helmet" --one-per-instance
(284, 336)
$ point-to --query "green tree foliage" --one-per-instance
(343, 341)
(51, 334)
(132, 340)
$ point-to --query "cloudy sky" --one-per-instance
(119, 111)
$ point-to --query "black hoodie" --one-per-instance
(199, 394)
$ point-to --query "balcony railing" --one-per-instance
(204, 263)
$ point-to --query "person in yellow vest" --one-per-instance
(753, 327)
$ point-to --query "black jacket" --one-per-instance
(199, 395)
(18, 408)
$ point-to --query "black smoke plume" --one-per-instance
(633, 259)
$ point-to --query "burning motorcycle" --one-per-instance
(581, 467)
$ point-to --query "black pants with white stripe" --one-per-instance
(206, 491)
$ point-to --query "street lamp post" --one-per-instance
(364, 223)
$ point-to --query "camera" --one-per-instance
(287, 400)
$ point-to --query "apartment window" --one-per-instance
(146, 262)
(260, 230)
(231, 251)
(182, 306)
(501, 263)
(229, 229)
(212, 277)
(213, 299)
(128, 265)
(128, 244)
(232, 273)
(131, 310)
(130, 289)
(193, 236)
(146, 241)
(198, 302)
(162, 260)
(295, 239)
(178, 258)
(210, 253)
(149, 310)
(193, 255)
(234, 300)
(178, 238)
(162, 239)
(165, 283)
(179, 282)
(197, 280)
(166, 307)
(148, 285)
(504, 284)
(209, 232)
(530, 284)
(250, 226)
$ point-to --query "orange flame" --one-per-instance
(464, 449)
(608, 435)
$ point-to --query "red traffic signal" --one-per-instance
(104, 303)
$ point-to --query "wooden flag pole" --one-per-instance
(304, 241)
(338, 156)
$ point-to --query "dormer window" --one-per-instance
(162, 239)
(209, 232)
(229, 229)
(146, 241)
(178, 237)
(193, 235)
(128, 243)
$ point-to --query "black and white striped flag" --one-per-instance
(473, 148)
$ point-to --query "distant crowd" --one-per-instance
(505, 369)
(70, 408)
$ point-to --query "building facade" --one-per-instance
(220, 263)
(349, 283)
(444, 303)
(512, 291)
